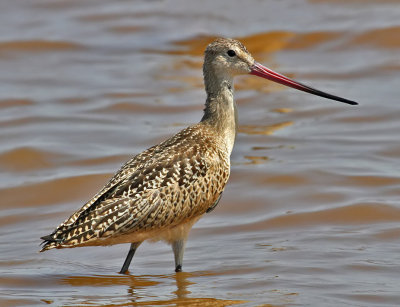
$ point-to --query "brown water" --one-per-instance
(311, 215)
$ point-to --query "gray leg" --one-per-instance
(128, 259)
(178, 247)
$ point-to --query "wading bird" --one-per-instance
(160, 193)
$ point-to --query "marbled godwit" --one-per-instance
(160, 193)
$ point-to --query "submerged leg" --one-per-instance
(128, 259)
(178, 247)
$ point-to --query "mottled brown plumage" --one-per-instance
(160, 193)
(167, 185)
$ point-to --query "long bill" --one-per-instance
(264, 72)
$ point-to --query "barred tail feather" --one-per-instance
(49, 242)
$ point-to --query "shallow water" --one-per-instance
(311, 212)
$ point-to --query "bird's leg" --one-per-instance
(128, 259)
(178, 247)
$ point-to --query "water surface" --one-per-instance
(311, 212)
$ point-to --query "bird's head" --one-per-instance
(226, 58)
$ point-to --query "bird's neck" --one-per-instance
(220, 111)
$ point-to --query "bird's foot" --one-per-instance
(178, 268)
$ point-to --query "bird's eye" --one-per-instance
(231, 53)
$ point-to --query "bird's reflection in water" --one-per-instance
(180, 293)
(182, 284)
(141, 290)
